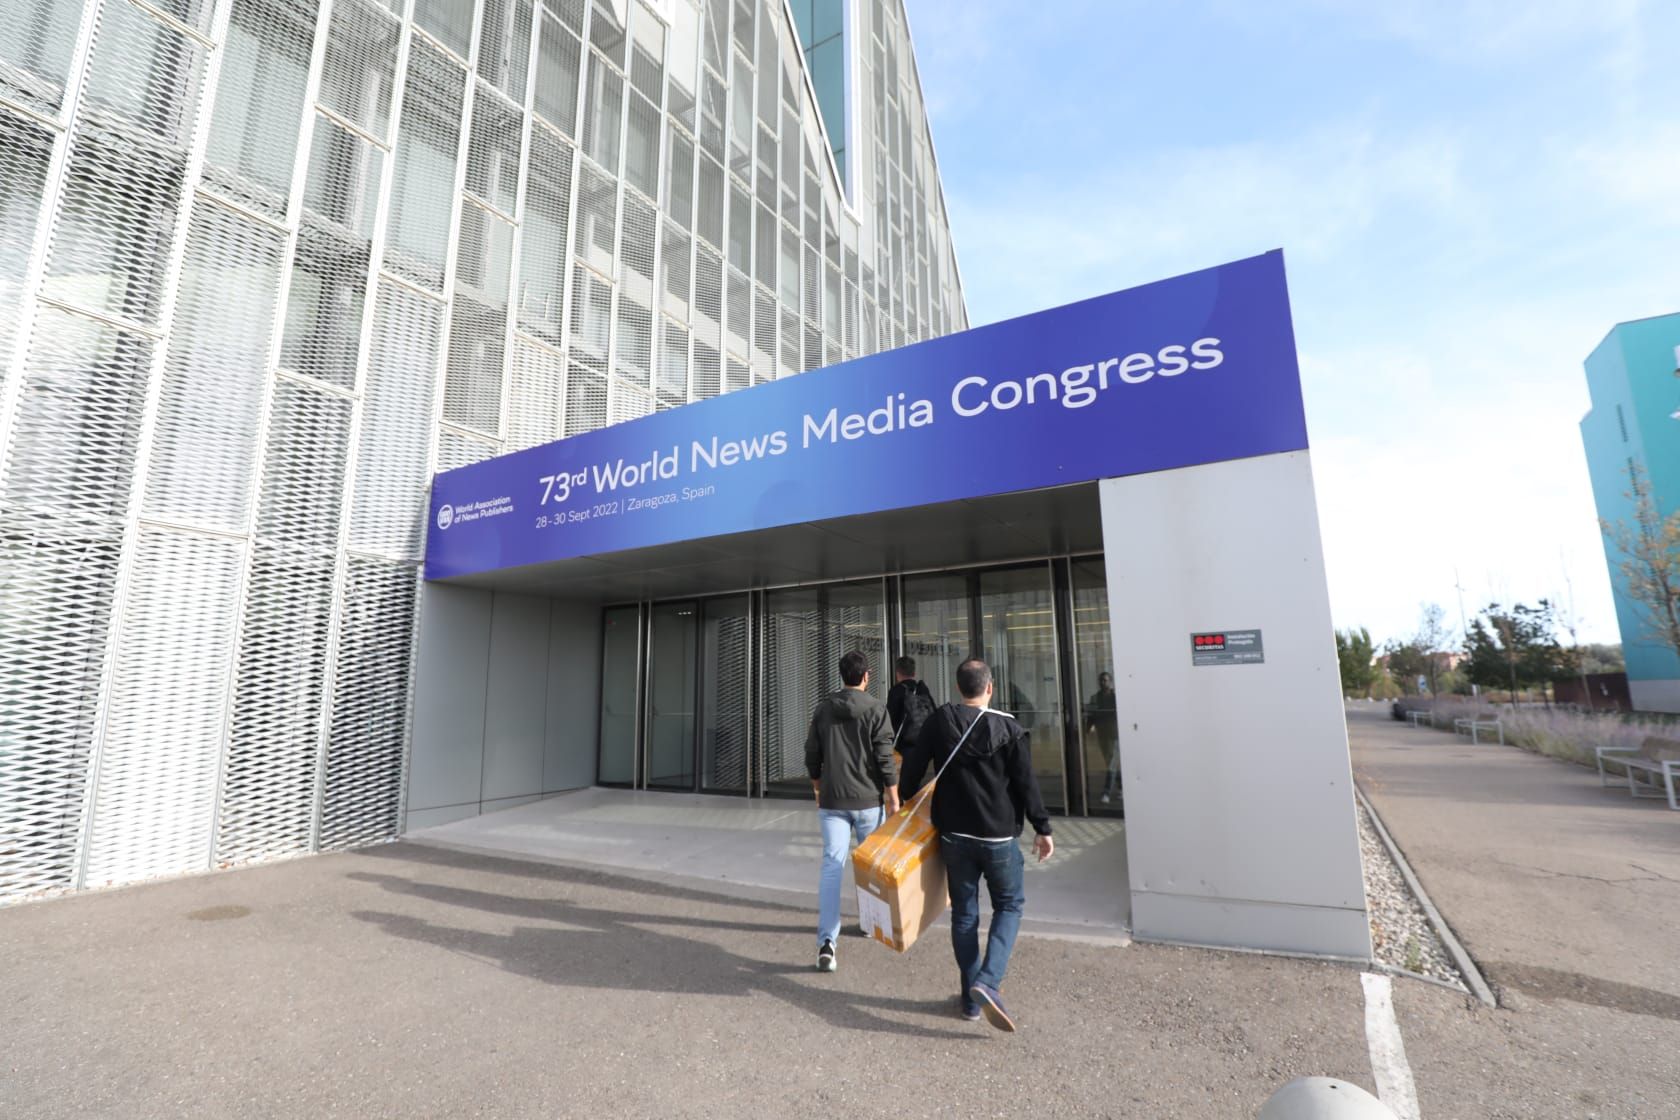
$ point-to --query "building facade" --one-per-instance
(267, 265)
(1634, 425)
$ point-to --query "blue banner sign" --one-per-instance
(1196, 369)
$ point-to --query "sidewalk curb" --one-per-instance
(1466, 967)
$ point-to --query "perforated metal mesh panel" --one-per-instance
(25, 149)
(493, 150)
(450, 20)
(586, 401)
(370, 704)
(303, 468)
(162, 745)
(35, 53)
(544, 235)
(259, 102)
(122, 195)
(78, 418)
(591, 319)
(671, 378)
(472, 393)
(457, 449)
(328, 287)
(504, 47)
(387, 512)
(423, 196)
(539, 384)
(214, 376)
(629, 402)
(559, 59)
(56, 584)
(224, 238)
(361, 64)
(268, 788)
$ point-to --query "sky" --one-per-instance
(1469, 194)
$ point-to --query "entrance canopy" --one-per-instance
(975, 446)
(1001, 528)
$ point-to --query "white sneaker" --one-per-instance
(825, 957)
(1105, 799)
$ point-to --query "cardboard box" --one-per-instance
(900, 876)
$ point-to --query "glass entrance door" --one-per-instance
(936, 612)
(725, 694)
(673, 640)
(806, 630)
(1018, 640)
(621, 663)
(1093, 654)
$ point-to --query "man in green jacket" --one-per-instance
(849, 755)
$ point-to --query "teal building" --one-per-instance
(1634, 378)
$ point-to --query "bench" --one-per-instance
(1473, 726)
(1652, 768)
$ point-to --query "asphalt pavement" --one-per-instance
(1566, 895)
(408, 980)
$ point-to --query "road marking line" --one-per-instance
(1395, 1087)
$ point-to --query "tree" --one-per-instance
(1650, 564)
(1516, 647)
(1356, 656)
(1406, 663)
(1431, 642)
(1602, 657)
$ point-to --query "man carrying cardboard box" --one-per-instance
(849, 755)
(979, 803)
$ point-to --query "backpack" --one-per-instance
(918, 706)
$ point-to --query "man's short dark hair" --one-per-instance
(973, 676)
(906, 666)
(853, 668)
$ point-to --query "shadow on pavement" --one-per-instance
(1550, 983)
(589, 947)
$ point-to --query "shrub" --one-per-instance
(1554, 732)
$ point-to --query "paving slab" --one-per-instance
(775, 844)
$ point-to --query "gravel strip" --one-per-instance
(1400, 931)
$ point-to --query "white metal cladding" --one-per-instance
(155, 785)
(204, 447)
(265, 265)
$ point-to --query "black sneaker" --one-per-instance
(992, 1004)
(825, 957)
(970, 1010)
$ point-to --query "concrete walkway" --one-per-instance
(416, 980)
(413, 981)
(773, 845)
(1565, 894)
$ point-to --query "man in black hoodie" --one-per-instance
(979, 802)
(909, 703)
(849, 755)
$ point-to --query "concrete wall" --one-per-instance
(506, 704)
(1239, 796)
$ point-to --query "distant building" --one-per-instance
(1635, 420)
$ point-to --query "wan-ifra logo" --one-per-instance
(446, 516)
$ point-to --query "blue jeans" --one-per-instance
(1000, 864)
(840, 827)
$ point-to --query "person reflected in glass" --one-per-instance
(1102, 720)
